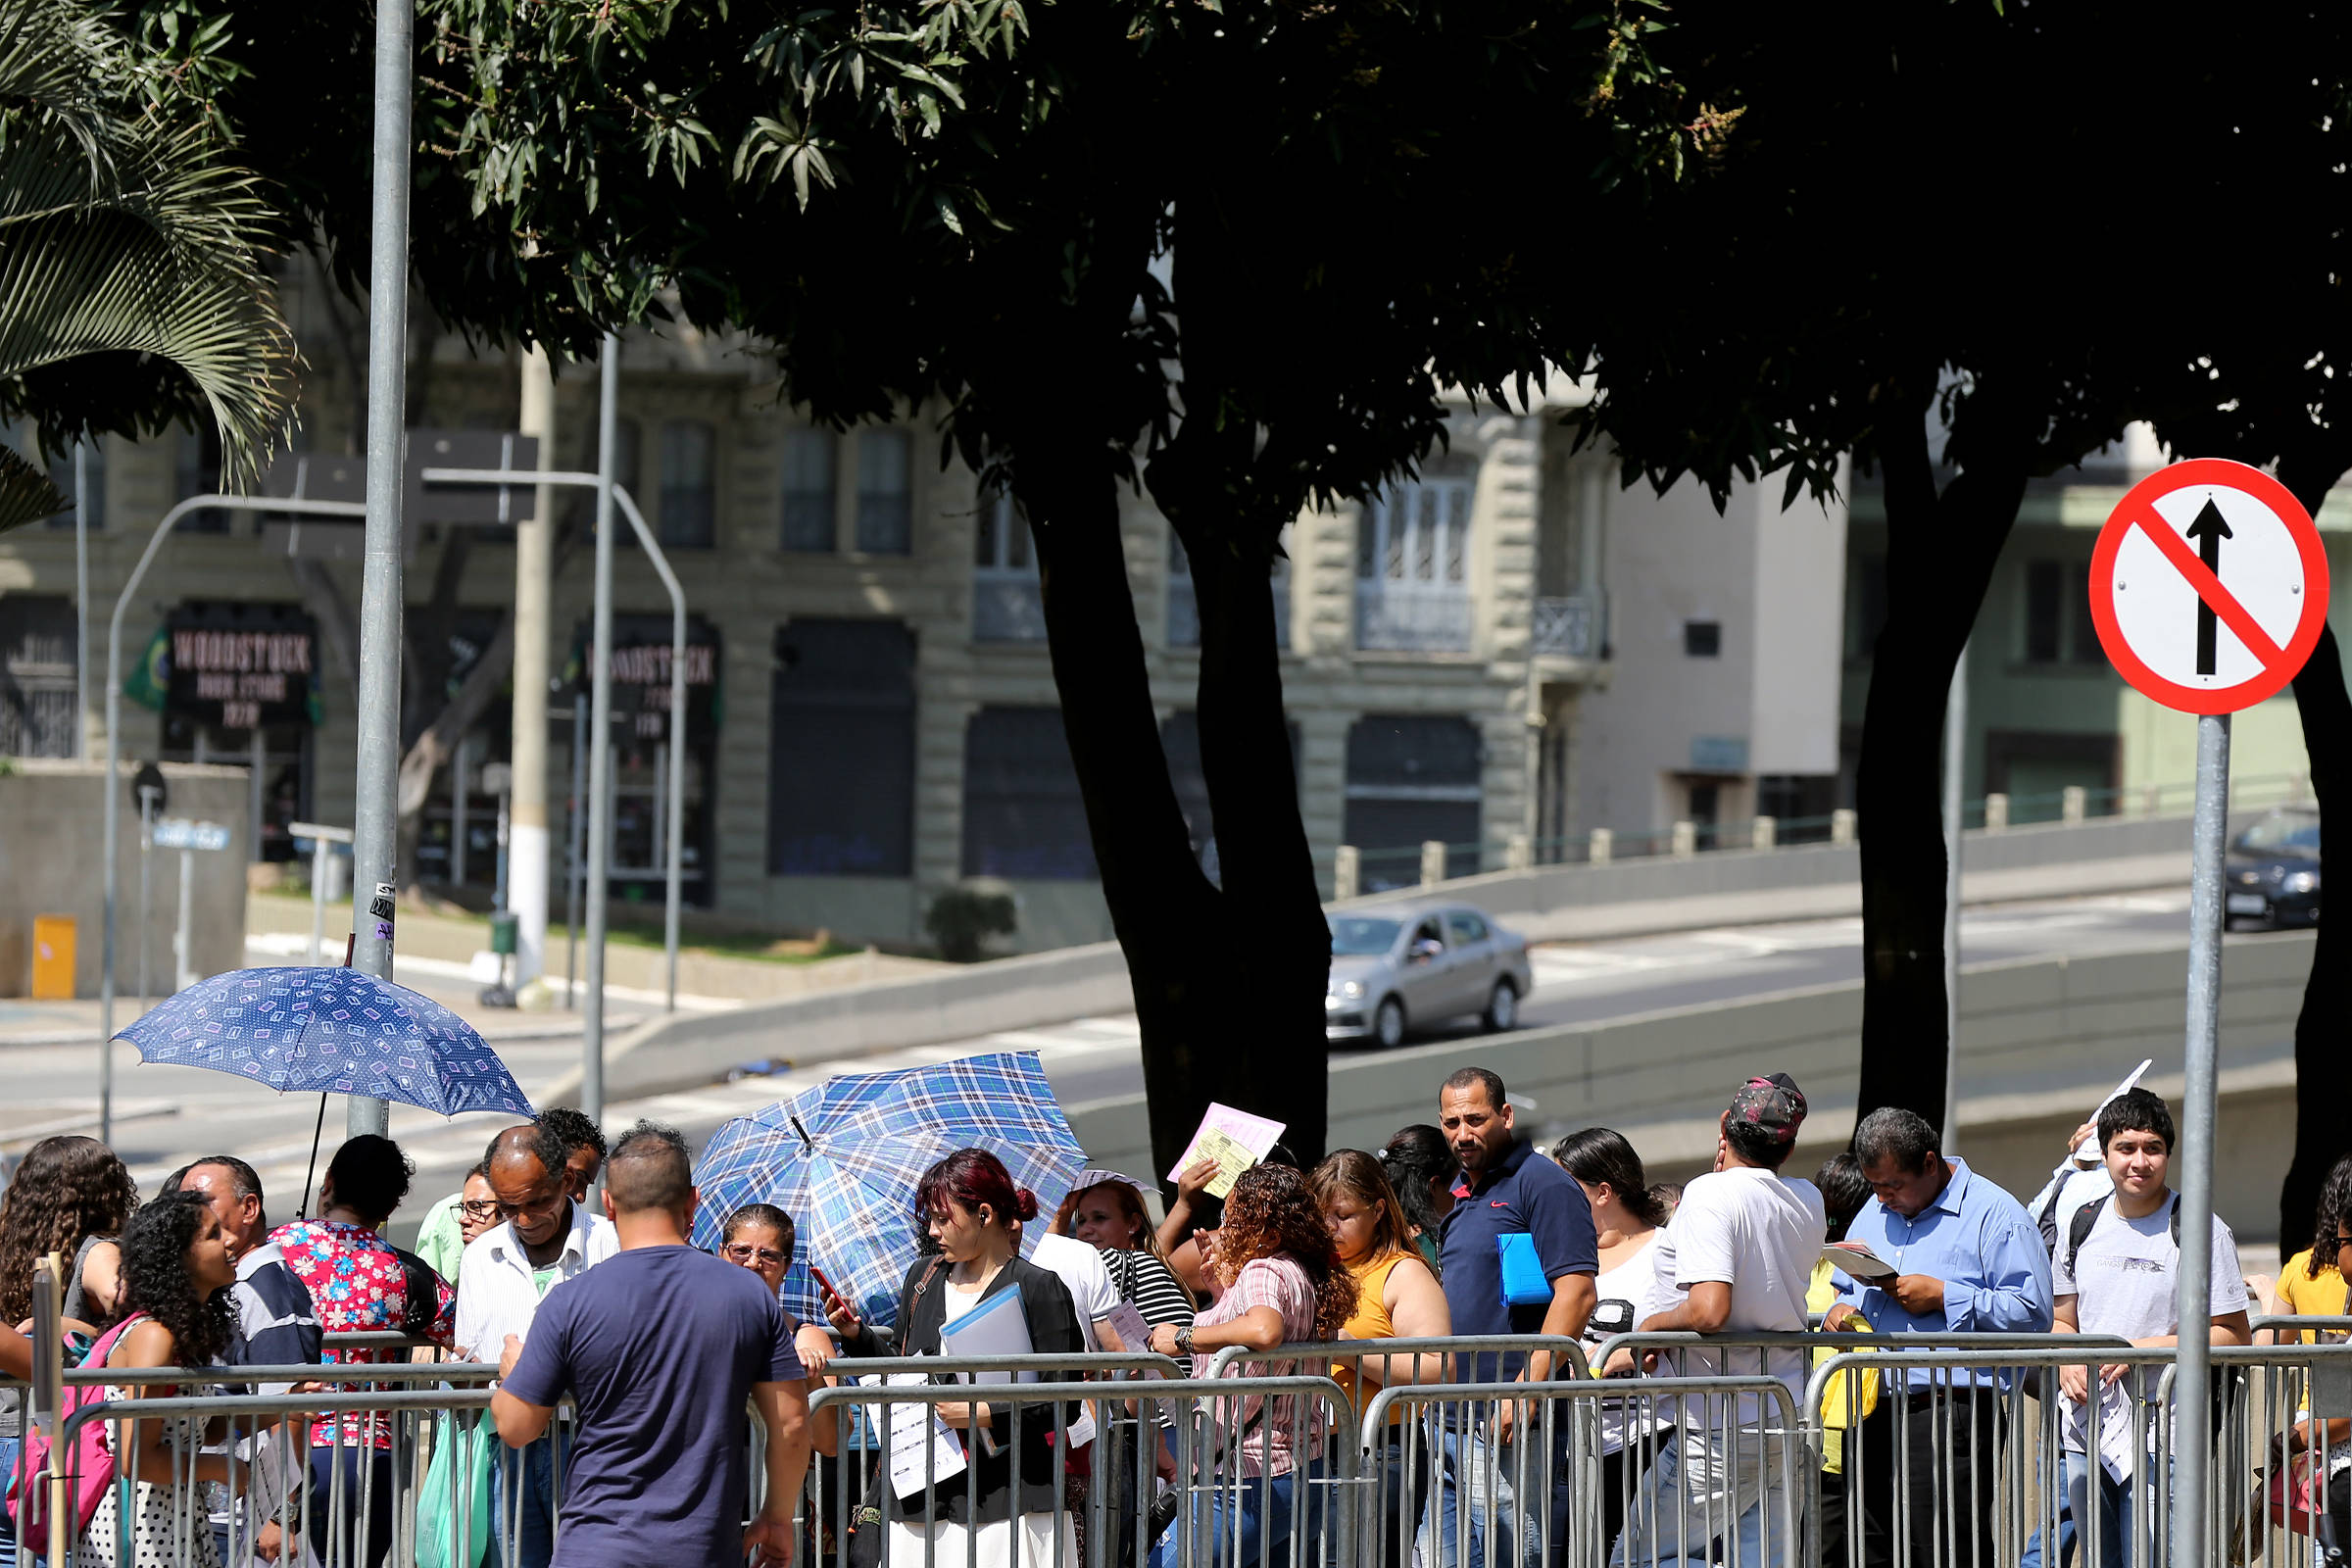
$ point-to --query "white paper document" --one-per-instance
(922, 1450)
(1859, 1262)
(1135, 1335)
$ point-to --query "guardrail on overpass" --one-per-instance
(2041, 1041)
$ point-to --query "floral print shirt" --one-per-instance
(357, 1284)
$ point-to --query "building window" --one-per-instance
(1412, 567)
(809, 491)
(841, 749)
(885, 492)
(1412, 779)
(2057, 622)
(196, 471)
(1008, 601)
(38, 716)
(689, 514)
(1702, 639)
(1022, 813)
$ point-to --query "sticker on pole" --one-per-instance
(2209, 586)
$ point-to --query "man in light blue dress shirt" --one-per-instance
(1968, 1260)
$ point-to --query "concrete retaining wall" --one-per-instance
(1549, 903)
(51, 832)
(1819, 881)
(2041, 1041)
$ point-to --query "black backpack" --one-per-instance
(2078, 1230)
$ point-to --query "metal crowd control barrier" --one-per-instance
(1290, 1501)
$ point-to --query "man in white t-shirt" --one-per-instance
(2117, 1272)
(1736, 1259)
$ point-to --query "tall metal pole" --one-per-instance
(599, 730)
(81, 603)
(575, 828)
(2207, 844)
(534, 572)
(375, 815)
(1955, 769)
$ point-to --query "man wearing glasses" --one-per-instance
(541, 1238)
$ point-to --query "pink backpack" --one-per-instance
(89, 1469)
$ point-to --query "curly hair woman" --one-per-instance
(1284, 1285)
(176, 1276)
(72, 1196)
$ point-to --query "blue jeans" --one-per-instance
(1261, 1509)
(1476, 1501)
(2112, 1515)
(12, 1450)
(1677, 1521)
(523, 1502)
(2066, 1525)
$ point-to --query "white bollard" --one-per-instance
(1686, 841)
(1433, 862)
(1600, 845)
(2072, 801)
(1347, 871)
(1764, 833)
(1996, 813)
(1841, 825)
(1518, 854)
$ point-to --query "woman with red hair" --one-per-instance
(1284, 1285)
(1003, 1514)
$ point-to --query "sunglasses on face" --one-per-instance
(763, 1256)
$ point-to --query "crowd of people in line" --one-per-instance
(567, 1264)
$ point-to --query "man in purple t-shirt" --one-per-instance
(658, 1346)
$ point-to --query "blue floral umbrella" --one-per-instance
(329, 1031)
(843, 1160)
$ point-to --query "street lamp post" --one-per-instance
(114, 748)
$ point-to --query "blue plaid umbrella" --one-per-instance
(329, 1031)
(843, 1160)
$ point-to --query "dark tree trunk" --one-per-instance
(2322, 1061)
(1165, 912)
(1940, 551)
(1280, 969)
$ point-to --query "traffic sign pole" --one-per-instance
(2209, 590)
(2194, 1373)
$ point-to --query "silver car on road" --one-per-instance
(1399, 967)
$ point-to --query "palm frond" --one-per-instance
(25, 493)
(120, 234)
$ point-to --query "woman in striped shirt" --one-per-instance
(1110, 1215)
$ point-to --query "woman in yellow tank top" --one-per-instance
(1397, 1297)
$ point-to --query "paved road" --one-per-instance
(169, 1114)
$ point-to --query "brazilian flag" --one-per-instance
(150, 679)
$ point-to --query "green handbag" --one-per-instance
(449, 1536)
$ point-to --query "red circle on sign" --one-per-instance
(2220, 473)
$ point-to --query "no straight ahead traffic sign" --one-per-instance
(2209, 586)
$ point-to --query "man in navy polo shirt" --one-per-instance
(1506, 1192)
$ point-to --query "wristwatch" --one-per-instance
(1184, 1340)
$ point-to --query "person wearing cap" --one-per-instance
(1518, 1255)
(1737, 1258)
(1969, 1261)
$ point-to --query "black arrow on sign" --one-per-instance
(2209, 530)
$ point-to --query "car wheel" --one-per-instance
(1502, 1009)
(1388, 1024)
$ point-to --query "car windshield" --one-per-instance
(1358, 936)
(2281, 835)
